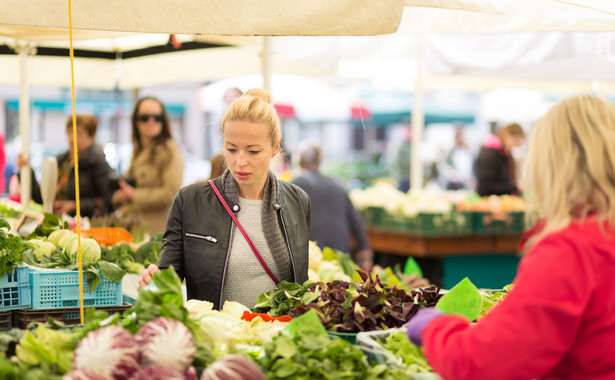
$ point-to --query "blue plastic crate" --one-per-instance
(15, 289)
(60, 289)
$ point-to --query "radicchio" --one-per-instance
(166, 342)
(110, 351)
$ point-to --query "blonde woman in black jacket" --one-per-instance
(204, 243)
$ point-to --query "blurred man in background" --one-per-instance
(335, 222)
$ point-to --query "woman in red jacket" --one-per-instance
(559, 319)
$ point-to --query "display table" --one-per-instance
(489, 261)
(400, 243)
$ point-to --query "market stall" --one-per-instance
(470, 236)
(313, 329)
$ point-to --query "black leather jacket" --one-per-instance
(198, 235)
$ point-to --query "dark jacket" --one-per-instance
(495, 172)
(334, 218)
(94, 173)
(199, 231)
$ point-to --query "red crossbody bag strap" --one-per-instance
(228, 209)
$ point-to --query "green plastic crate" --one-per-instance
(438, 224)
(373, 216)
(350, 337)
(486, 223)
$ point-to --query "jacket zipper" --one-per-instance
(290, 252)
(228, 253)
(208, 238)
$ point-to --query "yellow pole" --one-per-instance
(76, 159)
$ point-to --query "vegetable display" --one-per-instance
(111, 351)
(148, 252)
(166, 342)
(492, 298)
(163, 337)
(65, 255)
(307, 353)
(11, 249)
(411, 355)
(353, 307)
(46, 350)
(233, 367)
(279, 301)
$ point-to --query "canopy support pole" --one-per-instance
(418, 123)
(266, 63)
(24, 49)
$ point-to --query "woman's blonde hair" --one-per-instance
(570, 168)
(255, 106)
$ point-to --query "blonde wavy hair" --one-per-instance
(255, 106)
(570, 168)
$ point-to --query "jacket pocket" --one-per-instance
(208, 238)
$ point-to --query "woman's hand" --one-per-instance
(419, 321)
(365, 259)
(146, 276)
(124, 194)
(414, 281)
(22, 160)
(64, 207)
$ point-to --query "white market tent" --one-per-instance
(429, 22)
(27, 23)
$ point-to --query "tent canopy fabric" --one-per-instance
(129, 61)
(504, 16)
(219, 17)
(568, 56)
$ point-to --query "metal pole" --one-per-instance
(266, 63)
(24, 50)
(418, 123)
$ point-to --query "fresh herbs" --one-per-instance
(410, 354)
(11, 249)
(7, 211)
(161, 297)
(279, 301)
(492, 298)
(307, 353)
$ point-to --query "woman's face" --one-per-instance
(149, 119)
(509, 142)
(84, 140)
(248, 152)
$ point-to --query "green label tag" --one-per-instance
(463, 299)
(412, 267)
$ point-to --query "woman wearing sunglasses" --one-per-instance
(156, 169)
(234, 237)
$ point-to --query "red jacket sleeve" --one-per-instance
(528, 333)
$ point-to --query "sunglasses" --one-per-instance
(144, 117)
